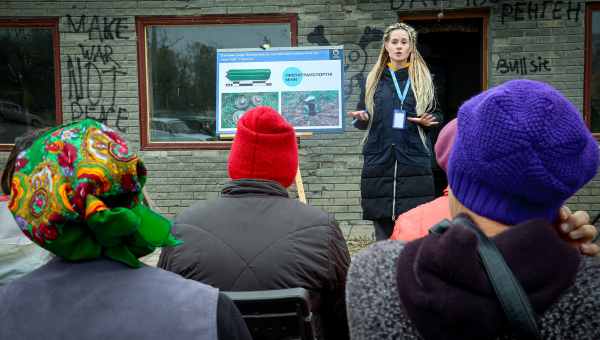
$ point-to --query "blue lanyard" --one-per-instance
(401, 95)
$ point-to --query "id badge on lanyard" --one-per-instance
(399, 121)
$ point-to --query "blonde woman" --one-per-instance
(397, 110)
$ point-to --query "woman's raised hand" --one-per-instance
(425, 120)
(361, 115)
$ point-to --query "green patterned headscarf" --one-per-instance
(77, 192)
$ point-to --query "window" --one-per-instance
(29, 77)
(592, 67)
(177, 72)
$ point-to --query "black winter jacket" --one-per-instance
(393, 158)
(255, 237)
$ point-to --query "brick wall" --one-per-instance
(549, 33)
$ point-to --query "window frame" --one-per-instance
(587, 74)
(143, 88)
(51, 23)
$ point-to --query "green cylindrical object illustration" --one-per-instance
(249, 74)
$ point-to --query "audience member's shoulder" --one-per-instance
(382, 254)
(311, 213)
(587, 281)
(378, 259)
(374, 309)
(369, 266)
(575, 314)
(587, 284)
(174, 280)
(191, 213)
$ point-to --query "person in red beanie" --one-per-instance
(264, 148)
(254, 236)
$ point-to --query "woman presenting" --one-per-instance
(397, 110)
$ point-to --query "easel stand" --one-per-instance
(298, 180)
(299, 184)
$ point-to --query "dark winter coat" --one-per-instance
(104, 299)
(255, 237)
(436, 287)
(393, 158)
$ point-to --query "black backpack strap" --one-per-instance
(511, 295)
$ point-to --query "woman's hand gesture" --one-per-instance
(425, 120)
(360, 115)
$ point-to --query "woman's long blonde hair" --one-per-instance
(418, 72)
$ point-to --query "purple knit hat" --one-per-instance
(521, 151)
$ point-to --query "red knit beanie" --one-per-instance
(264, 147)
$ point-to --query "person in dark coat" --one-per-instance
(520, 152)
(397, 109)
(254, 236)
(76, 191)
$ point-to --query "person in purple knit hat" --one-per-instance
(521, 150)
(416, 222)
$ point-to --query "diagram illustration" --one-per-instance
(248, 77)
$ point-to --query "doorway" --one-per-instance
(455, 49)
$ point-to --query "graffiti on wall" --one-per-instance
(523, 66)
(99, 28)
(510, 10)
(93, 72)
(533, 10)
(355, 58)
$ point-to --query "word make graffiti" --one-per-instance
(523, 66)
(98, 28)
(355, 56)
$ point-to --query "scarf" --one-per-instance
(77, 192)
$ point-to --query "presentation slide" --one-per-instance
(304, 84)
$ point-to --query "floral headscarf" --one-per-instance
(77, 192)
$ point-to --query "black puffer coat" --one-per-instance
(397, 173)
(255, 237)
